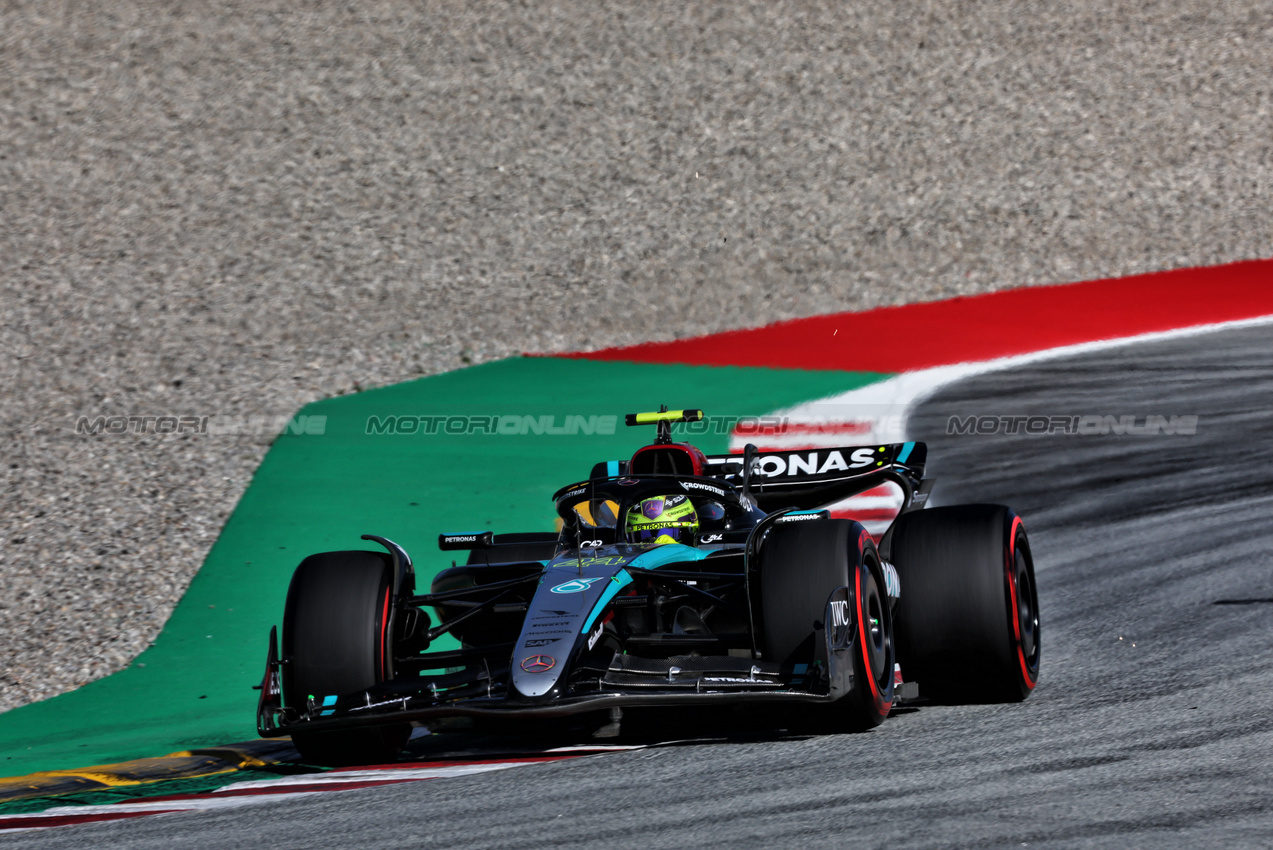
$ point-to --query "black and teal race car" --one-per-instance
(676, 579)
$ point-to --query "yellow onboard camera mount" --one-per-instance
(663, 418)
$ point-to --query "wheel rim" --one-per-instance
(1027, 612)
(874, 631)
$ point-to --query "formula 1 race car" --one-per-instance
(676, 579)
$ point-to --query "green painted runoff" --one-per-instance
(319, 492)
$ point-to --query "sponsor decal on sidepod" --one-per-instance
(578, 585)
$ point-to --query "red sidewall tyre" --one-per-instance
(800, 564)
(335, 642)
(967, 620)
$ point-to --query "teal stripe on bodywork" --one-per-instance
(907, 448)
(656, 557)
(666, 554)
(617, 583)
(612, 468)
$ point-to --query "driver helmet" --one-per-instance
(662, 519)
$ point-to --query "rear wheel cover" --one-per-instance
(1024, 606)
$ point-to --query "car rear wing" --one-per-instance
(810, 478)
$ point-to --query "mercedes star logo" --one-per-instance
(538, 663)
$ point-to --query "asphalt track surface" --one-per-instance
(1150, 727)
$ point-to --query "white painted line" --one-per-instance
(318, 780)
(886, 405)
(880, 412)
(251, 793)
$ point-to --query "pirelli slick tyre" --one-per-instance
(968, 618)
(335, 642)
(800, 564)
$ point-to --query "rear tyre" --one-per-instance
(335, 642)
(800, 565)
(968, 618)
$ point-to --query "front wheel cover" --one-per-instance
(874, 655)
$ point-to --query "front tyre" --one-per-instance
(800, 564)
(335, 642)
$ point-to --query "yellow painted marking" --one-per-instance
(186, 764)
